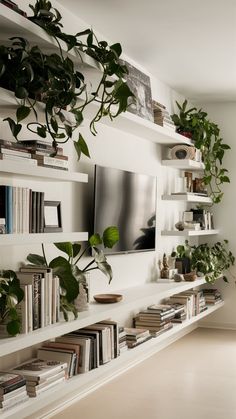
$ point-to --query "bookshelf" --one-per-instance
(184, 164)
(37, 238)
(188, 197)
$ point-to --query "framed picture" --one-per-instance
(52, 216)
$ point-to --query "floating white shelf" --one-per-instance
(14, 24)
(80, 385)
(189, 233)
(132, 298)
(184, 164)
(23, 169)
(25, 239)
(188, 197)
(127, 122)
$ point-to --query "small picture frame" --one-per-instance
(52, 216)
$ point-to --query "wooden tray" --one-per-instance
(108, 298)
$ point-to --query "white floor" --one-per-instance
(194, 378)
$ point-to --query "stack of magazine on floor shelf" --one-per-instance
(12, 390)
(156, 318)
(41, 375)
(212, 296)
(136, 336)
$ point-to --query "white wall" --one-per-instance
(224, 115)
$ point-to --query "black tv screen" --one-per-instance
(126, 200)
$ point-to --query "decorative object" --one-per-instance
(53, 79)
(69, 273)
(108, 298)
(81, 301)
(190, 276)
(139, 84)
(11, 295)
(2, 225)
(162, 116)
(206, 137)
(165, 268)
(178, 277)
(52, 216)
(182, 152)
(180, 225)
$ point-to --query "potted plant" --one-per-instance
(206, 137)
(11, 295)
(182, 258)
(66, 268)
(33, 75)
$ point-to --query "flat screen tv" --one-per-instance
(126, 200)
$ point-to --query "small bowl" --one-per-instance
(108, 298)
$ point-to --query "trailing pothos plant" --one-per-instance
(66, 268)
(206, 137)
(11, 295)
(55, 80)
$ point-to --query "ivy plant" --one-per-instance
(67, 269)
(205, 135)
(11, 295)
(54, 79)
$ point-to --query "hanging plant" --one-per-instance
(206, 137)
(55, 80)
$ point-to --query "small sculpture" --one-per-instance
(179, 225)
(165, 268)
(178, 277)
(81, 302)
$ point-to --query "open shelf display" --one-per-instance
(184, 164)
(188, 197)
(80, 385)
(37, 238)
(189, 233)
(12, 168)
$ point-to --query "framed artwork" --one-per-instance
(140, 85)
(52, 216)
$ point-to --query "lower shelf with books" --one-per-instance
(82, 384)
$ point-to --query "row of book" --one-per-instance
(162, 116)
(40, 306)
(22, 209)
(33, 153)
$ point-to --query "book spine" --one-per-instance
(9, 209)
(33, 210)
(30, 307)
(53, 161)
(13, 152)
(41, 213)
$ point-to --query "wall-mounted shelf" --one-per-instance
(23, 239)
(78, 386)
(188, 197)
(14, 24)
(184, 164)
(189, 233)
(13, 168)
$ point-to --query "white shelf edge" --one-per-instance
(127, 121)
(188, 198)
(184, 164)
(132, 297)
(189, 233)
(24, 169)
(14, 24)
(23, 239)
(80, 385)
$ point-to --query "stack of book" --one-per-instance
(162, 116)
(122, 340)
(193, 300)
(12, 390)
(41, 375)
(136, 336)
(34, 153)
(22, 209)
(41, 304)
(156, 318)
(180, 312)
(44, 154)
(98, 344)
(212, 296)
(13, 6)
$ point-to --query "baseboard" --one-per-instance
(217, 325)
(55, 409)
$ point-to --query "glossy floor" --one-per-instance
(193, 378)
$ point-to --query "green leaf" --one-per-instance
(42, 131)
(77, 149)
(102, 264)
(36, 259)
(95, 239)
(13, 327)
(15, 128)
(21, 93)
(76, 249)
(225, 179)
(117, 48)
(110, 236)
(81, 147)
(22, 113)
(54, 124)
(60, 264)
(65, 247)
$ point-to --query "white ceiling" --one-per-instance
(190, 45)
